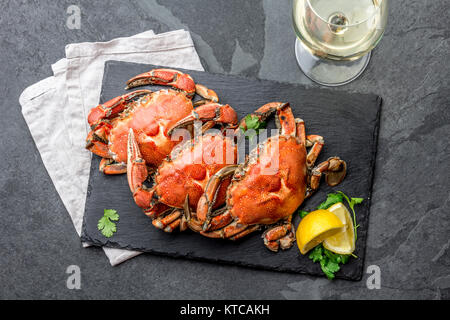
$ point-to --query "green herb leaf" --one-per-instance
(332, 267)
(332, 199)
(332, 256)
(111, 214)
(106, 224)
(253, 122)
(344, 259)
(316, 254)
(328, 268)
(329, 262)
(303, 213)
(352, 202)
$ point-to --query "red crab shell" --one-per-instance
(269, 187)
(150, 118)
(265, 196)
(188, 172)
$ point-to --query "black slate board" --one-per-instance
(348, 122)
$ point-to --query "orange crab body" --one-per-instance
(270, 186)
(149, 114)
(150, 119)
(181, 179)
(266, 196)
(188, 173)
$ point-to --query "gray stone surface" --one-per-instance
(409, 225)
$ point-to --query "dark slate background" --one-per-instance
(409, 225)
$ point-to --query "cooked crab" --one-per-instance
(150, 115)
(269, 187)
(180, 180)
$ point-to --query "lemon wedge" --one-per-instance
(316, 227)
(344, 241)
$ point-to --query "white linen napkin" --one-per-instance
(56, 108)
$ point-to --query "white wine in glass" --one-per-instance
(335, 37)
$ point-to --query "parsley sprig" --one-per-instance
(253, 122)
(332, 199)
(331, 262)
(106, 224)
(351, 202)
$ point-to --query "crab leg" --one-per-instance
(221, 225)
(233, 231)
(113, 107)
(314, 141)
(334, 169)
(317, 143)
(173, 226)
(208, 199)
(212, 112)
(165, 223)
(194, 224)
(218, 222)
(208, 95)
(247, 231)
(166, 77)
(185, 217)
(137, 173)
(156, 210)
(97, 145)
(175, 219)
(301, 131)
(111, 167)
(228, 231)
(280, 236)
(211, 224)
(285, 120)
(265, 112)
(183, 224)
(176, 79)
(203, 221)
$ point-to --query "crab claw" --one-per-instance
(211, 112)
(137, 173)
(334, 169)
(109, 166)
(113, 107)
(177, 80)
(95, 141)
(336, 172)
(285, 120)
(166, 77)
(279, 236)
(207, 200)
(208, 94)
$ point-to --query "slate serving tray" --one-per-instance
(348, 122)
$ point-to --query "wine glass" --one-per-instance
(335, 37)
